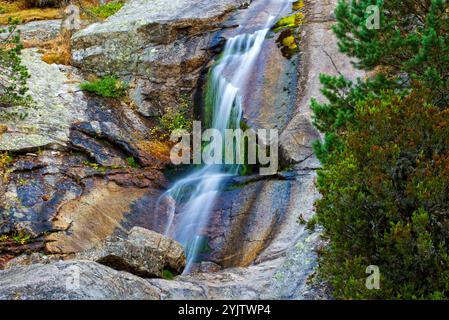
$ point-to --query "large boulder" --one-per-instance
(144, 253)
(160, 45)
(73, 280)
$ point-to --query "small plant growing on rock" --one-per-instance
(167, 275)
(108, 87)
(173, 119)
(5, 159)
(132, 162)
(21, 238)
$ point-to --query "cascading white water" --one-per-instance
(198, 192)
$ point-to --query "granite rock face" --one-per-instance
(73, 146)
(58, 103)
(144, 253)
(73, 280)
(320, 54)
(160, 46)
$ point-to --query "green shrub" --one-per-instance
(13, 75)
(386, 200)
(412, 40)
(385, 154)
(107, 10)
(108, 87)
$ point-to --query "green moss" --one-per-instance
(298, 5)
(132, 162)
(107, 10)
(288, 27)
(108, 87)
(292, 21)
(167, 274)
(99, 167)
(290, 42)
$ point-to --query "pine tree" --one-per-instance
(13, 75)
(412, 44)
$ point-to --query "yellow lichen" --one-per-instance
(58, 50)
(298, 5)
(292, 21)
(3, 129)
(290, 42)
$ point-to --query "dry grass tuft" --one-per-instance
(60, 51)
(22, 10)
(54, 51)
(158, 149)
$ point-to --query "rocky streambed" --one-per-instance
(86, 172)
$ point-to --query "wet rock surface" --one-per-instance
(143, 252)
(285, 265)
(275, 253)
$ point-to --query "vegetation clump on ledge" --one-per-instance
(173, 119)
(288, 27)
(107, 87)
(106, 10)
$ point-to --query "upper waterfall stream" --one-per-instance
(191, 199)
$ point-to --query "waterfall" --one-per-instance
(198, 192)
